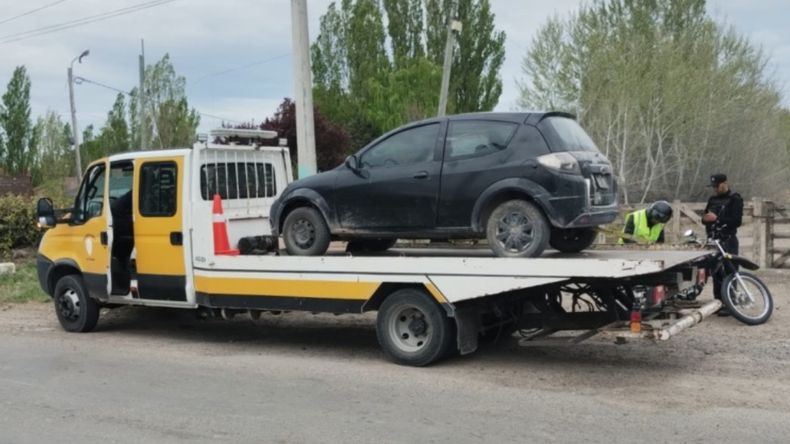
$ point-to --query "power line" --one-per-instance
(238, 68)
(32, 11)
(79, 80)
(15, 37)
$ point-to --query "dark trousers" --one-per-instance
(730, 246)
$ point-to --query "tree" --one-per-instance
(114, 136)
(168, 120)
(370, 89)
(55, 158)
(475, 83)
(19, 150)
(332, 141)
(668, 94)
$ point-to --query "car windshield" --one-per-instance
(564, 134)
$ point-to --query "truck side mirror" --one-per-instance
(45, 213)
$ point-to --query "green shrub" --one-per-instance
(17, 223)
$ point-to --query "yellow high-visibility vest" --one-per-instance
(643, 232)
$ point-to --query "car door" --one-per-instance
(158, 236)
(88, 233)
(397, 185)
(475, 156)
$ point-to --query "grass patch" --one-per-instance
(22, 286)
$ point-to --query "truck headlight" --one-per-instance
(560, 162)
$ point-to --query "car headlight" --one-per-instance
(560, 162)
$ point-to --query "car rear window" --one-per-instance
(565, 134)
(477, 138)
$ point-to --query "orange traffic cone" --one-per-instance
(221, 243)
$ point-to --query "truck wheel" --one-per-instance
(572, 240)
(305, 232)
(76, 310)
(370, 245)
(412, 328)
(517, 228)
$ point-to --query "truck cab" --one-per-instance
(138, 224)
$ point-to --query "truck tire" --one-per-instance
(413, 329)
(76, 310)
(370, 245)
(517, 228)
(305, 232)
(572, 240)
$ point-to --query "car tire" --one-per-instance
(572, 240)
(76, 310)
(305, 232)
(517, 228)
(369, 245)
(412, 329)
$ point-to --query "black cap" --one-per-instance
(716, 179)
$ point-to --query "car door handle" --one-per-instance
(421, 175)
(176, 238)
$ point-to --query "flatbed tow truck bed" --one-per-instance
(593, 293)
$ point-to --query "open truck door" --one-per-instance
(158, 229)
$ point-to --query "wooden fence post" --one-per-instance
(757, 231)
(677, 215)
(769, 233)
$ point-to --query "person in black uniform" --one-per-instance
(723, 215)
(123, 228)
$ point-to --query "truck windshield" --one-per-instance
(564, 134)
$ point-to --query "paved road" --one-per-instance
(162, 376)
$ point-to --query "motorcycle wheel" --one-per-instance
(747, 298)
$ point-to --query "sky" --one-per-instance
(236, 54)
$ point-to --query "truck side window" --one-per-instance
(158, 188)
(90, 200)
(237, 180)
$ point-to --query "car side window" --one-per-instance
(477, 138)
(90, 200)
(412, 146)
(158, 189)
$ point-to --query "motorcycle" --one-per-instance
(745, 295)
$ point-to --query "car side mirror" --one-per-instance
(352, 163)
(45, 213)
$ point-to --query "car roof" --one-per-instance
(515, 117)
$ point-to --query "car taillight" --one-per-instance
(560, 162)
(658, 295)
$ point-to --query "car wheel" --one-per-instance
(572, 240)
(305, 232)
(413, 329)
(370, 245)
(517, 228)
(76, 310)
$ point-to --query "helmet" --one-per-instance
(660, 211)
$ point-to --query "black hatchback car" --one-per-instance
(522, 180)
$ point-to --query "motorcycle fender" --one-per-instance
(743, 262)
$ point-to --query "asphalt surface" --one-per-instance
(150, 375)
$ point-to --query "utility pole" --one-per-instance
(303, 90)
(75, 133)
(141, 97)
(453, 26)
